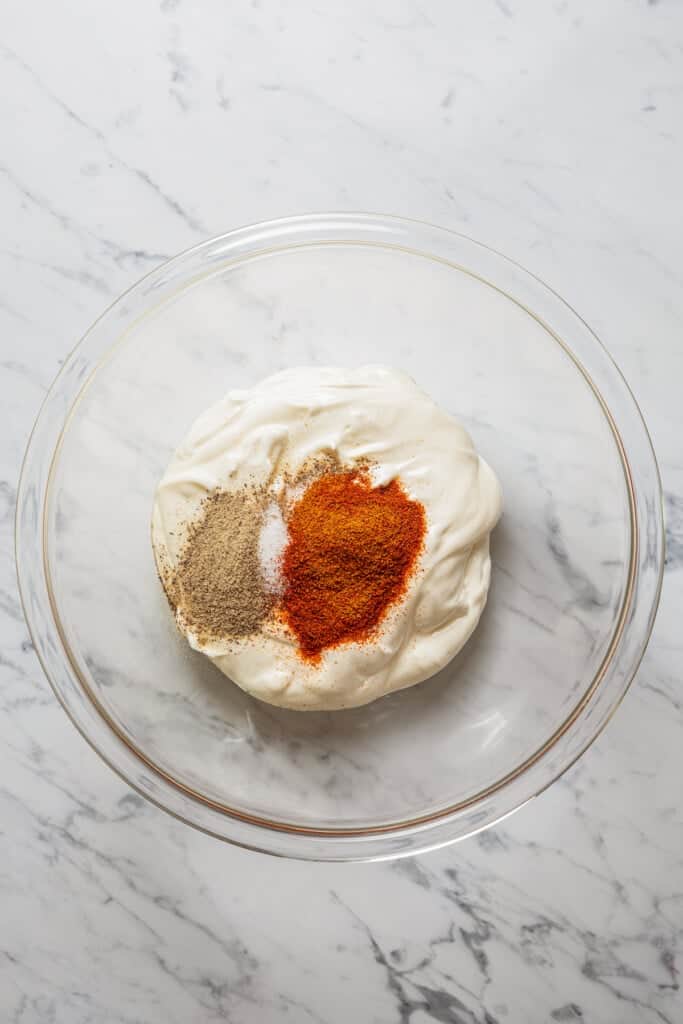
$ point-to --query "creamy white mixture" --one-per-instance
(374, 413)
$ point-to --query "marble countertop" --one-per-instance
(551, 131)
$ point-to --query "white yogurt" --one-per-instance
(374, 413)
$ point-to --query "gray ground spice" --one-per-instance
(218, 581)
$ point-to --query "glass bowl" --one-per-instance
(577, 556)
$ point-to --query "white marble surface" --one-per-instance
(552, 131)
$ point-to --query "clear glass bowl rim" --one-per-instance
(528, 779)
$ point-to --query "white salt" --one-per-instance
(272, 543)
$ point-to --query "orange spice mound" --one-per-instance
(352, 548)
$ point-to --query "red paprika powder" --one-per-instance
(352, 548)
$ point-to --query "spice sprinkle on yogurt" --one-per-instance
(323, 537)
